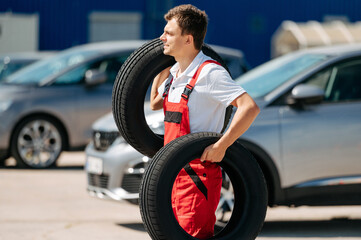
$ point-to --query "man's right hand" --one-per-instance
(156, 100)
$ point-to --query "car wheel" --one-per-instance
(250, 192)
(37, 143)
(131, 84)
(226, 202)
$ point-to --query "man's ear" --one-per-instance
(189, 39)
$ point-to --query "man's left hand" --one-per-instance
(213, 153)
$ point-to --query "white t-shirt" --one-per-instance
(213, 92)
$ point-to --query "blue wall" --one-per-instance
(246, 25)
(64, 23)
(249, 25)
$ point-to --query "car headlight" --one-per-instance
(4, 105)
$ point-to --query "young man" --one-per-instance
(194, 94)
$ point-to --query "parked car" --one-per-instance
(50, 105)
(306, 139)
(12, 62)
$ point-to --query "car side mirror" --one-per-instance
(304, 94)
(94, 77)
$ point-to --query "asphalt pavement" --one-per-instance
(53, 204)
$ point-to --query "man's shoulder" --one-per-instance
(213, 69)
(212, 63)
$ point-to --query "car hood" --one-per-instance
(107, 122)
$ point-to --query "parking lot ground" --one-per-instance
(53, 204)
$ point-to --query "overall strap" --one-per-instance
(189, 87)
(167, 87)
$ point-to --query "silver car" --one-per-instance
(50, 106)
(306, 139)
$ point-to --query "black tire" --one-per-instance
(250, 192)
(48, 139)
(131, 84)
(3, 156)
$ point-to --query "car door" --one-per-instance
(92, 101)
(323, 141)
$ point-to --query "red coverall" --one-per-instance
(196, 190)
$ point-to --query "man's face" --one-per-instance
(173, 39)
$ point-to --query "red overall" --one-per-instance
(196, 190)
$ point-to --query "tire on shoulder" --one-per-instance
(250, 193)
(129, 91)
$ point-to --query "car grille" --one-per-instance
(131, 182)
(102, 140)
(98, 180)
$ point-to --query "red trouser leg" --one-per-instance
(194, 211)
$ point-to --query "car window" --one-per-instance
(76, 75)
(110, 66)
(341, 82)
(267, 77)
(345, 83)
(7, 69)
(320, 79)
(45, 69)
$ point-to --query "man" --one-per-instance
(194, 94)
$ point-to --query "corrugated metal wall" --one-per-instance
(64, 23)
(246, 25)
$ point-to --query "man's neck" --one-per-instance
(185, 60)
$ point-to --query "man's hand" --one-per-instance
(213, 153)
(246, 112)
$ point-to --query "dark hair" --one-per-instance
(191, 20)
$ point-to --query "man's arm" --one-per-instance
(246, 113)
(156, 100)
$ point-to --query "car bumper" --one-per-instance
(120, 174)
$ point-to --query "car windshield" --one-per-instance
(7, 69)
(265, 78)
(37, 72)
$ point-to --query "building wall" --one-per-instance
(249, 25)
(64, 23)
(246, 25)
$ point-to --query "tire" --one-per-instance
(37, 142)
(131, 84)
(250, 192)
(3, 156)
